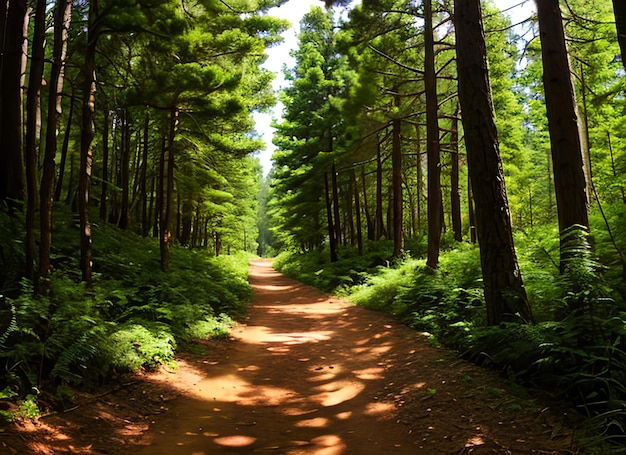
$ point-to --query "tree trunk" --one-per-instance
(435, 209)
(619, 8)
(166, 232)
(567, 160)
(419, 177)
(64, 149)
(86, 140)
(104, 188)
(33, 131)
(329, 215)
(455, 194)
(379, 227)
(143, 177)
(335, 190)
(505, 295)
(125, 171)
(396, 165)
(11, 68)
(471, 211)
(357, 208)
(371, 228)
(62, 18)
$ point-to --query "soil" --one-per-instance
(306, 373)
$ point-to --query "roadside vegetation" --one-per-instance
(135, 317)
(576, 357)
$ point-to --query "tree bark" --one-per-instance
(396, 165)
(13, 14)
(143, 177)
(565, 145)
(33, 131)
(125, 171)
(166, 231)
(62, 18)
(86, 140)
(64, 149)
(455, 194)
(335, 192)
(329, 215)
(371, 228)
(505, 295)
(379, 227)
(357, 209)
(433, 149)
(619, 9)
(104, 187)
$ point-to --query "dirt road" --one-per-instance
(307, 374)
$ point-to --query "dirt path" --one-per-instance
(307, 374)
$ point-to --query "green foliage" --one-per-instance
(134, 318)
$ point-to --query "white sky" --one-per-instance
(293, 11)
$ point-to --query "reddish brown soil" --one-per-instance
(306, 374)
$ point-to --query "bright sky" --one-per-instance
(293, 10)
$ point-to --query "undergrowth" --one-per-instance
(576, 351)
(135, 317)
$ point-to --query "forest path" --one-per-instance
(306, 373)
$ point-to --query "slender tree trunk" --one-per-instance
(33, 131)
(471, 211)
(64, 149)
(125, 171)
(613, 168)
(619, 8)
(86, 140)
(166, 232)
(144, 175)
(396, 165)
(505, 295)
(455, 194)
(329, 215)
(567, 159)
(419, 176)
(371, 228)
(378, 221)
(104, 188)
(433, 152)
(357, 208)
(13, 14)
(62, 18)
(335, 190)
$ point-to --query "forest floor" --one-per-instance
(306, 373)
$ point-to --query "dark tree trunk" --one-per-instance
(335, 192)
(86, 139)
(104, 188)
(396, 165)
(166, 232)
(357, 209)
(64, 149)
(378, 221)
(419, 176)
(13, 14)
(455, 193)
(505, 295)
(567, 159)
(145, 227)
(33, 130)
(435, 209)
(371, 228)
(125, 170)
(619, 8)
(471, 211)
(329, 215)
(62, 18)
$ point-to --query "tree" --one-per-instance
(505, 295)
(619, 8)
(435, 209)
(13, 13)
(567, 160)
